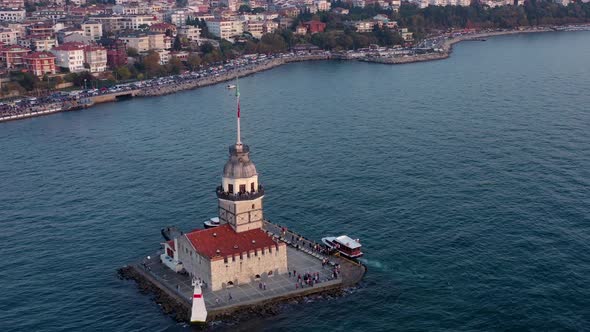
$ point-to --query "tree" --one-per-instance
(244, 9)
(193, 61)
(177, 46)
(123, 73)
(132, 52)
(207, 47)
(258, 10)
(151, 63)
(174, 66)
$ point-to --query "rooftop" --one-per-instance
(224, 241)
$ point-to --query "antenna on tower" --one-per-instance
(239, 140)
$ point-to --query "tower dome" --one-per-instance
(239, 165)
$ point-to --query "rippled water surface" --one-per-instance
(466, 179)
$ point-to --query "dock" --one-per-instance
(173, 291)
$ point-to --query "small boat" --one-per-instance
(344, 245)
(198, 309)
(231, 86)
(213, 222)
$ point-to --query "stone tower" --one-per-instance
(240, 195)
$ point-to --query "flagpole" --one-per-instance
(239, 141)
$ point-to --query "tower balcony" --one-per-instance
(245, 196)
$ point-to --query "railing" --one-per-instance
(240, 196)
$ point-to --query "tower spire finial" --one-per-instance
(239, 140)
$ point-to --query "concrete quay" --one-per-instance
(198, 83)
(173, 291)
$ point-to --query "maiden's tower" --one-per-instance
(238, 250)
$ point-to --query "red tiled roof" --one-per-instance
(227, 241)
(40, 55)
(72, 46)
(14, 48)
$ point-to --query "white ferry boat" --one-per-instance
(345, 245)
(213, 222)
(231, 86)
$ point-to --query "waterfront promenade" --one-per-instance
(439, 47)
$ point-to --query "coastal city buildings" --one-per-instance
(102, 37)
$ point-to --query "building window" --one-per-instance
(242, 188)
(253, 206)
(230, 188)
(252, 187)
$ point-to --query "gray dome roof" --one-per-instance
(239, 164)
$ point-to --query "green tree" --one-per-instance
(177, 46)
(244, 9)
(123, 73)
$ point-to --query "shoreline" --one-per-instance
(444, 53)
(448, 44)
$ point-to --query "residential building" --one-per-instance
(270, 26)
(164, 56)
(232, 5)
(144, 42)
(12, 3)
(133, 22)
(190, 32)
(92, 29)
(362, 26)
(340, 11)
(41, 44)
(165, 28)
(157, 41)
(322, 5)
(12, 15)
(255, 28)
(110, 23)
(116, 52)
(406, 35)
(95, 58)
(76, 36)
(225, 29)
(300, 30)
(138, 41)
(40, 63)
(178, 17)
(8, 36)
(52, 12)
(315, 26)
(69, 56)
(11, 56)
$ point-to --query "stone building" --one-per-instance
(239, 250)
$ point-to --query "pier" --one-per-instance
(174, 290)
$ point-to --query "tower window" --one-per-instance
(242, 189)
(230, 188)
(252, 187)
